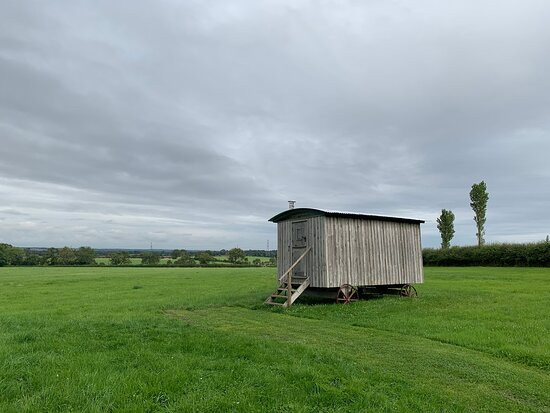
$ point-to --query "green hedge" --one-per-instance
(502, 255)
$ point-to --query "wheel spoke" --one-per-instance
(346, 294)
(408, 290)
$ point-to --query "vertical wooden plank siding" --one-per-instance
(419, 263)
(370, 252)
(355, 251)
(315, 267)
(284, 240)
(329, 256)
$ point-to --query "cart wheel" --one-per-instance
(346, 294)
(408, 291)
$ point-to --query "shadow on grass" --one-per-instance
(312, 300)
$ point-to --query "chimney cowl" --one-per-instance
(291, 204)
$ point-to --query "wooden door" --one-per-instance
(299, 245)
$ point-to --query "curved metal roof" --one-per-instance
(312, 212)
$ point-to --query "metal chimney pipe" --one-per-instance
(291, 204)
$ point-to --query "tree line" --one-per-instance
(479, 198)
(536, 254)
(10, 255)
(527, 254)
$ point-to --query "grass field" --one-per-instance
(192, 339)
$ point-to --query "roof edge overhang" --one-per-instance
(297, 213)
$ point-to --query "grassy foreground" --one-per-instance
(192, 339)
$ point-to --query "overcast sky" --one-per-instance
(190, 123)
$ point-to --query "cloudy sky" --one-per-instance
(190, 123)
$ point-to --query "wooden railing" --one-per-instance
(290, 298)
(288, 272)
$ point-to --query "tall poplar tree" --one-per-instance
(446, 227)
(478, 202)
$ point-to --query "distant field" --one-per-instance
(199, 339)
(137, 261)
(107, 261)
(134, 261)
(250, 258)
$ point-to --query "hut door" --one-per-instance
(299, 245)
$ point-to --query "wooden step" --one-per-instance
(298, 286)
(294, 282)
(299, 291)
(278, 296)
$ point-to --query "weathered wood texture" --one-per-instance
(369, 252)
(360, 252)
(314, 265)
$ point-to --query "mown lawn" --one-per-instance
(192, 339)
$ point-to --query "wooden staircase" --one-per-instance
(290, 288)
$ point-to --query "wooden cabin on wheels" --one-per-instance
(343, 254)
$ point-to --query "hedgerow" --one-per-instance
(503, 255)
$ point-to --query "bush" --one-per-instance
(120, 258)
(205, 257)
(150, 258)
(85, 256)
(236, 256)
(10, 255)
(502, 255)
(184, 261)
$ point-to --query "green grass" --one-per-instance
(192, 339)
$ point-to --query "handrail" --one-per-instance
(294, 265)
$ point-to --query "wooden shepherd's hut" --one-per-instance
(342, 254)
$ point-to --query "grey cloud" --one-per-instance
(190, 124)
(10, 211)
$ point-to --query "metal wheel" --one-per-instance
(408, 291)
(346, 294)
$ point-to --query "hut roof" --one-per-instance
(311, 212)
